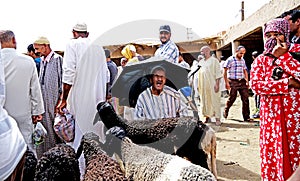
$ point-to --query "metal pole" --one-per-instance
(242, 12)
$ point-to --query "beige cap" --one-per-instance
(42, 40)
(81, 27)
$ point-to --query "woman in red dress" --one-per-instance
(280, 102)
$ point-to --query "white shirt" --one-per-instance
(85, 68)
(73, 53)
(48, 58)
(12, 142)
(184, 64)
(23, 91)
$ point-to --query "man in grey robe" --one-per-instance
(50, 80)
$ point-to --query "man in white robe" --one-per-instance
(208, 86)
(84, 84)
(12, 143)
(23, 93)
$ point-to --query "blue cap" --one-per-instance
(165, 28)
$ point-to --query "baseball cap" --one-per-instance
(165, 28)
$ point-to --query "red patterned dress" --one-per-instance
(280, 116)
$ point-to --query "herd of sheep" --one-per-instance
(166, 149)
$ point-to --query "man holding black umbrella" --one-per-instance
(159, 100)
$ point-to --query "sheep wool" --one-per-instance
(99, 166)
(181, 136)
(58, 163)
(148, 164)
(30, 165)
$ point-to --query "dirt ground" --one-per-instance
(237, 145)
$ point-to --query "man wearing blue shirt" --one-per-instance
(168, 49)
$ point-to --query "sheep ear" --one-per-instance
(175, 149)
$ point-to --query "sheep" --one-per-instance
(29, 166)
(99, 166)
(148, 164)
(57, 164)
(191, 138)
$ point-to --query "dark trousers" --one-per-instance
(241, 87)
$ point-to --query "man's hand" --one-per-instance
(62, 103)
(36, 118)
(294, 83)
(280, 49)
(227, 85)
(247, 83)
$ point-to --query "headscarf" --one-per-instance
(126, 52)
(280, 25)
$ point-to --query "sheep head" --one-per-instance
(109, 116)
(90, 145)
(58, 163)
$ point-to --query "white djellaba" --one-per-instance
(12, 142)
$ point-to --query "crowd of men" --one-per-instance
(37, 89)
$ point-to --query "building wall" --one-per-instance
(269, 11)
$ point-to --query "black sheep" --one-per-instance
(58, 164)
(99, 166)
(162, 134)
(30, 165)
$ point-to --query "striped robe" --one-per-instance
(165, 105)
(51, 82)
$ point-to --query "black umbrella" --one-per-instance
(135, 78)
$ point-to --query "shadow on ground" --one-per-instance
(241, 124)
(231, 126)
(225, 170)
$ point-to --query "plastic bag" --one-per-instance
(64, 126)
(39, 134)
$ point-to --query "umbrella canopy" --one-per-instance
(135, 78)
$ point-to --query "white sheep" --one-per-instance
(148, 164)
